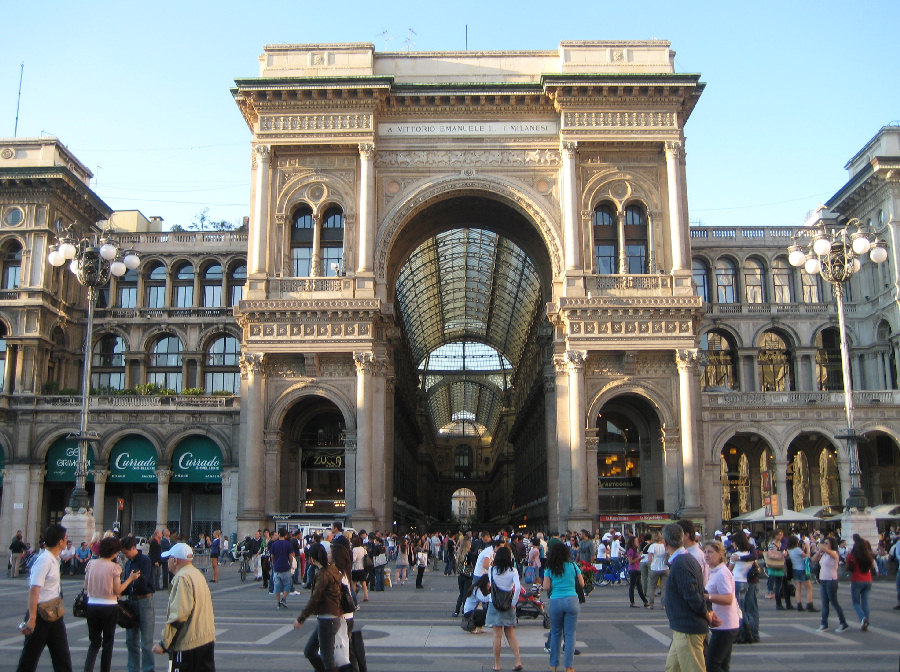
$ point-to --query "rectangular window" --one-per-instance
(11, 277)
(753, 288)
(605, 259)
(156, 296)
(782, 281)
(184, 296)
(331, 256)
(811, 293)
(636, 259)
(302, 258)
(127, 297)
(237, 294)
(702, 282)
(212, 296)
(168, 379)
(223, 380)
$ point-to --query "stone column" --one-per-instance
(365, 364)
(252, 485)
(591, 445)
(100, 476)
(365, 263)
(163, 476)
(378, 439)
(259, 223)
(349, 471)
(781, 478)
(388, 452)
(230, 479)
(553, 449)
(575, 360)
(32, 529)
(671, 443)
(620, 237)
(651, 245)
(678, 223)
(272, 499)
(686, 361)
(315, 262)
(8, 370)
(569, 151)
(562, 441)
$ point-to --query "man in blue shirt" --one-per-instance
(139, 640)
(282, 552)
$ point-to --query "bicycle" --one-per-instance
(613, 571)
(245, 565)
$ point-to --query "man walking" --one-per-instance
(282, 552)
(190, 632)
(44, 589)
(155, 551)
(16, 549)
(165, 545)
(687, 609)
(139, 640)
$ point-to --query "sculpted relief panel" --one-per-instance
(461, 158)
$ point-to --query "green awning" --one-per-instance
(62, 458)
(132, 460)
(197, 459)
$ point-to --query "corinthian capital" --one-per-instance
(250, 363)
(163, 476)
(100, 475)
(568, 148)
(675, 150)
(263, 152)
(686, 360)
(367, 151)
(365, 362)
(575, 359)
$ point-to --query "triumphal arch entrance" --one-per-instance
(468, 272)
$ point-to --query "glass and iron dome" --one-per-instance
(467, 298)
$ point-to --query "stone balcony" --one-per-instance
(861, 399)
(122, 402)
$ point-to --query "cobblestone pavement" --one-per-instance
(409, 630)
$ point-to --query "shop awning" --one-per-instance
(132, 460)
(62, 458)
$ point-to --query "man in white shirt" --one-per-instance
(66, 559)
(485, 559)
(45, 586)
(615, 550)
(692, 547)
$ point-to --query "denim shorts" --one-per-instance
(282, 582)
(800, 575)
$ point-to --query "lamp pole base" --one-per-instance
(79, 524)
(861, 523)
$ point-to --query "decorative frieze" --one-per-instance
(438, 158)
(619, 119)
(314, 123)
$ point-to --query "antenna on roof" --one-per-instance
(386, 36)
(19, 99)
(408, 42)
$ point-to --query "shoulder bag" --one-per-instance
(128, 615)
(501, 599)
(579, 590)
(51, 610)
(774, 559)
(348, 602)
(79, 606)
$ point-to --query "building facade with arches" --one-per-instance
(467, 284)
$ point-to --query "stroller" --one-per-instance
(531, 606)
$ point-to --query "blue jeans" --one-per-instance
(379, 577)
(563, 618)
(746, 596)
(139, 640)
(281, 582)
(829, 597)
(859, 594)
(322, 639)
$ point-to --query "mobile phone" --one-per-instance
(23, 627)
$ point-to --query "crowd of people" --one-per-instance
(708, 588)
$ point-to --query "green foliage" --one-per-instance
(203, 222)
(193, 391)
(222, 393)
(126, 392)
(104, 391)
(51, 387)
(69, 392)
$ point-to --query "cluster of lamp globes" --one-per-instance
(837, 248)
(90, 262)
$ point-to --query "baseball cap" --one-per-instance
(179, 551)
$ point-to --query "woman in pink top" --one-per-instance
(633, 554)
(103, 586)
(720, 591)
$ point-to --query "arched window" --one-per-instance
(720, 369)
(888, 356)
(782, 281)
(812, 287)
(635, 240)
(183, 292)
(126, 289)
(775, 364)
(165, 363)
(108, 363)
(155, 286)
(237, 278)
(222, 371)
(828, 361)
(302, 232)
(333, 242)
(754, 281)
(725, 281)
(799, 475)
(701, 279)
(462, 461)
(212, 286)
(605, 240)
(12, 265)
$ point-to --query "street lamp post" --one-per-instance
(836, 253)
(92, 261)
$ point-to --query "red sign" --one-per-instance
(633, 517)
(121, 504)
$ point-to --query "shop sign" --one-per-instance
(133, 460)
(62, 458)
(620, 482)
(323, 459)
(197, 460)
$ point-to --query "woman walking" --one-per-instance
(659, 570)
(559, 582)
(720, 589)
(359, 572)
(325, 605)
(103, 587)
(505, 577)
(465, 566)
(828, 580)
(746, 581)
(404, 561)
(798, 557)
(421, 560)
(860, 563)
(633, 555)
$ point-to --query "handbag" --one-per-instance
(348, 600)
(422, 559)
(753, 573)
(501, 599)
(128, 615)
(774, 560)
(79, 606)
(579, 590)
(341, 645)
(51, 610)
(380, 560)
(468, 621)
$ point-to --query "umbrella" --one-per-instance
(786, 515)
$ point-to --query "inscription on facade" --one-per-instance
(466, 129)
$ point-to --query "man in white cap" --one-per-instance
(190, 631)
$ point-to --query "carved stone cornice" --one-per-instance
(461, 158)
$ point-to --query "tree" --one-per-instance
(203, 222)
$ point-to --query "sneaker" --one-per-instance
(295, 592)
(864, 624)
(546, 649)
(841, 627)
(822, 628)
(455, 614)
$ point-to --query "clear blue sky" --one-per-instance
(140, 93)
